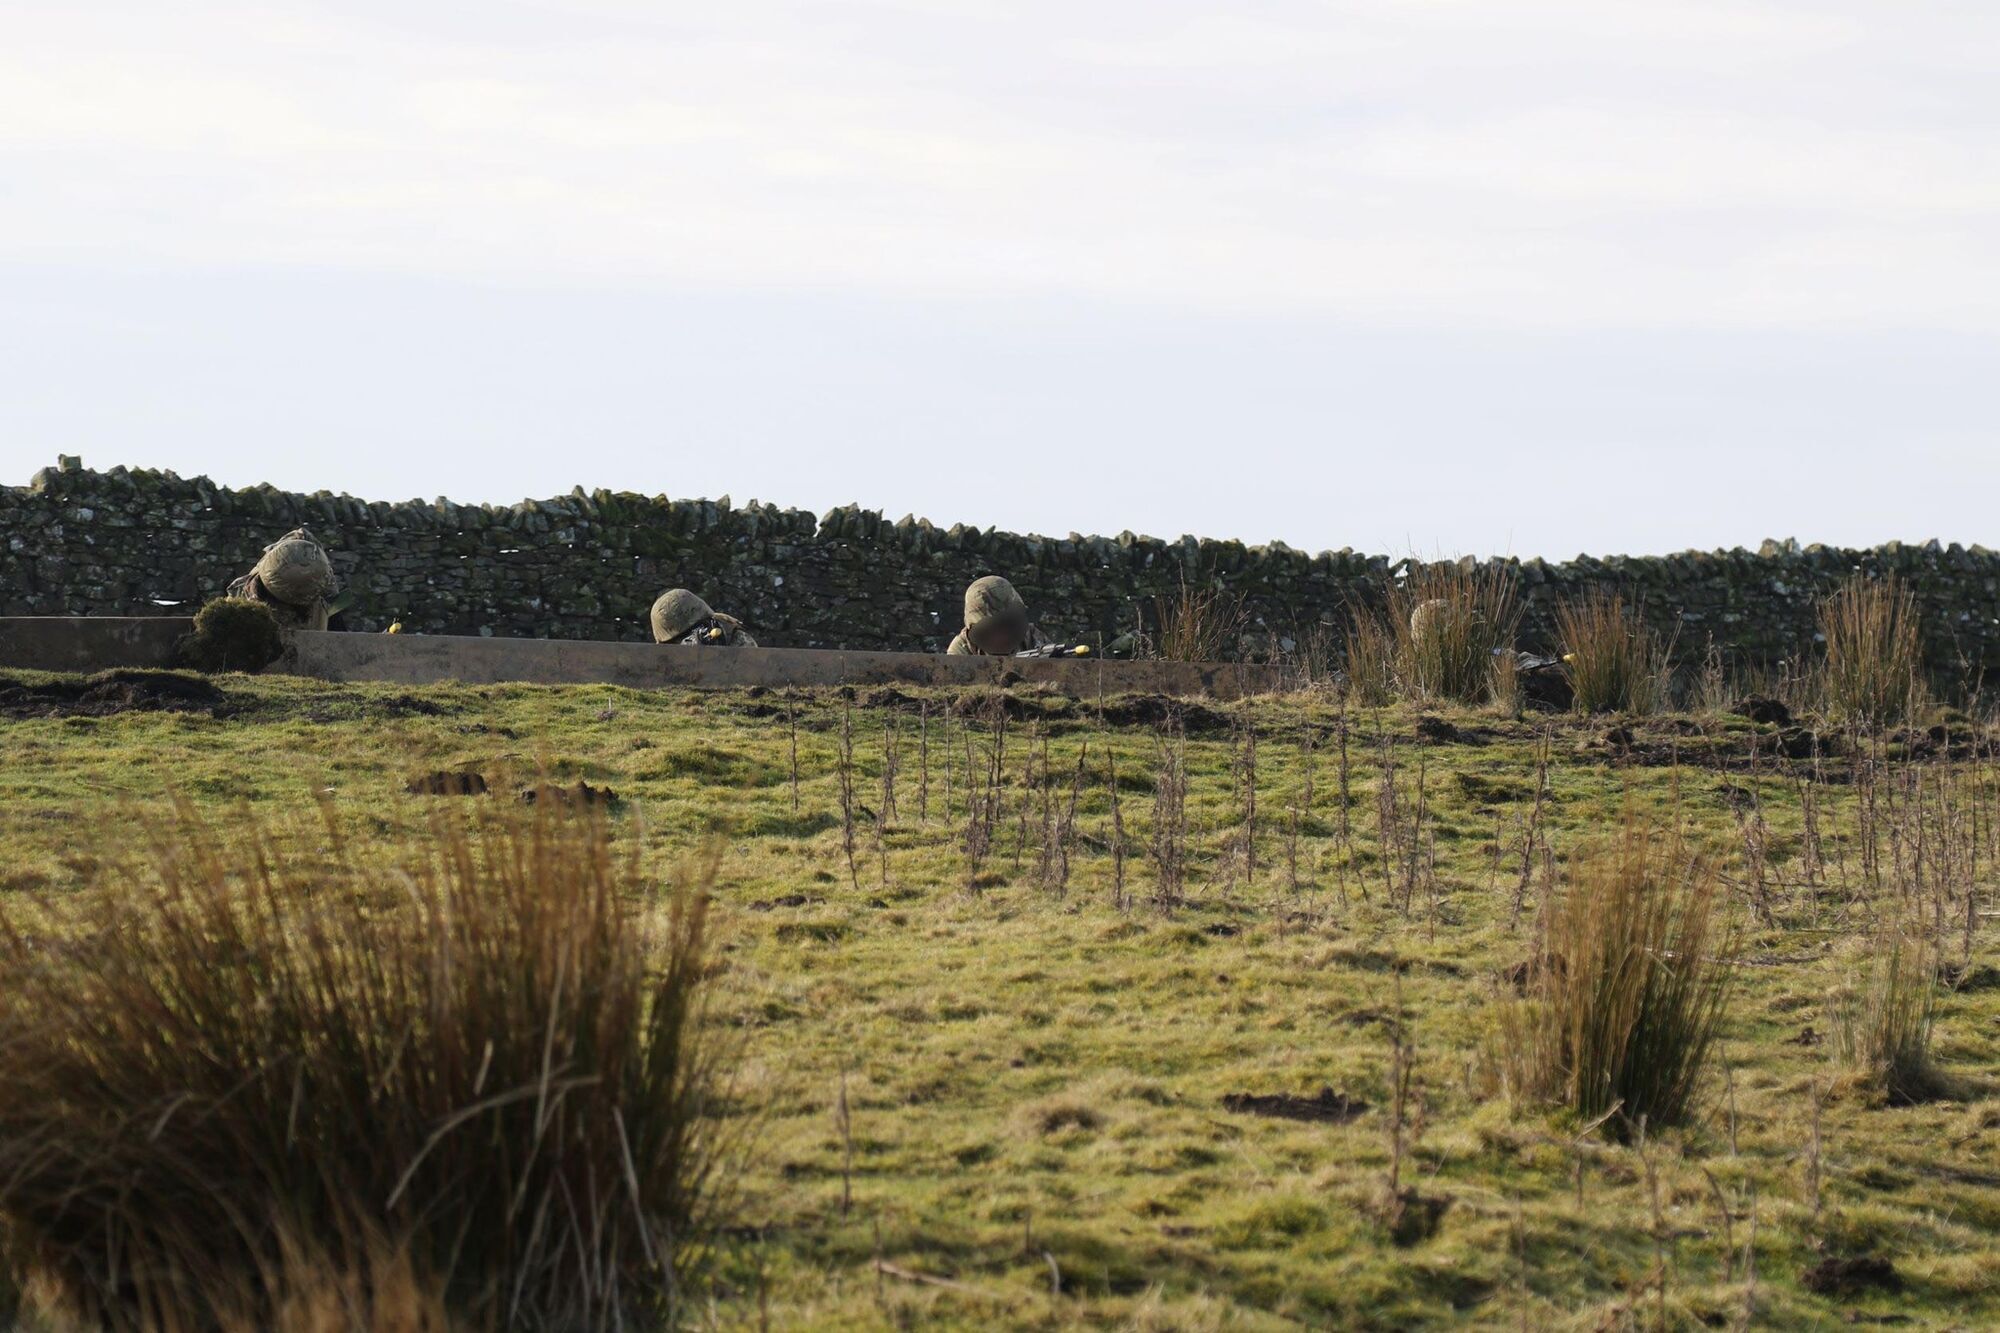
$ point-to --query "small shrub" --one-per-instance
(232, 634)
(1627, 986)
(1449, 620)
(1882, 1027)
(1615, 664)
(275, 1075)
(1870, 672)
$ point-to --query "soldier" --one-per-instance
(1431, 614)
(681, 617)
(294, 579)
(996, 622)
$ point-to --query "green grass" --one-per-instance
(1034, 1082)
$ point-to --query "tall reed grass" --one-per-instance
(1441, 634)
(1373, 678)
(1198, 623)
(1615, 663)
(1450, 619)
(1627, 987)
(1872, 669)
(286, 1079)
(1882, 1026)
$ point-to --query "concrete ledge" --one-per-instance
(411, 659)
(98, 643)
(90, 643)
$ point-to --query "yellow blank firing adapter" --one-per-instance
(714, 634)
(1081, 650)
(396, 628)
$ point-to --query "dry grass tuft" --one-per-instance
(1198, 623)
(1882, 1026)
(1371, 658)
(283, 1081)
(1448, 621)
(1873, 652)
(1615, 663)
(1627, 988)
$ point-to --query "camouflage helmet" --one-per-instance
(675, 613)
(295, 570)
(1434, 614)
(1428, 615)
(993, 599)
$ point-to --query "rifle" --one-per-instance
(708, 634)
(1057, 650)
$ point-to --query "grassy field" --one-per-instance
(1009, 1094)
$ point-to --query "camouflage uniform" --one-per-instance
(294, 579)
(992, 609)
(681, 617)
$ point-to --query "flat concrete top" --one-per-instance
(412, 659)
(98, 643)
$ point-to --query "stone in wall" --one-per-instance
(588, 565)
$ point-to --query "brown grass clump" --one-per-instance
(1873, 653)
(1615, 664)
(1448, 621)
(1627, 988)
(1882, 1027)
(290, 1082)
(1371, 658)
(1198, 623)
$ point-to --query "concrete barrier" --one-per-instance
(411, 659)
(97, 643)
(90, 643)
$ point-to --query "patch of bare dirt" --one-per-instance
(1440, 732)
(409, 705)
(1854, 1275)
(447, 783)
(788, 900)
(582, 794)
(1324, 1107)
(112, 692)
(1764, 712)
(1157, 710)
(1413, 1218)
(888, 696)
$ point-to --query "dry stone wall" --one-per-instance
(588, 565)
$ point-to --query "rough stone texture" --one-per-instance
(588, 565)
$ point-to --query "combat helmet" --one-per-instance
(676, 613)
(993, 600)
(295, 569)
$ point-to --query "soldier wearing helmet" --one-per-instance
(681, 617)
(996, 621)
(294, 579)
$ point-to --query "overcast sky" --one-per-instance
(1444, 276)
